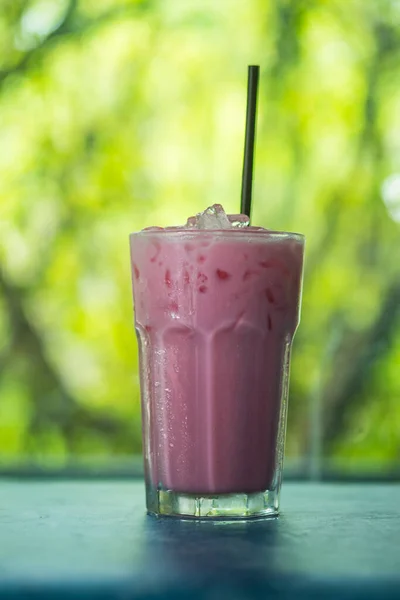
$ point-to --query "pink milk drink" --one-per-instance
(216, 308)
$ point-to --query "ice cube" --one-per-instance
(214, 217)
(239, 220)
(222, 217)
(191, 222)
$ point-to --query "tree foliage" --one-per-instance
(116, 115)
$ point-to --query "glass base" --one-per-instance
(217, 506)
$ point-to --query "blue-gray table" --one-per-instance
(64, 539)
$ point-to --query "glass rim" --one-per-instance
(233, 232)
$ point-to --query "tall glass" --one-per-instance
(215, 315)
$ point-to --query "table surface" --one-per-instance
(93, 540)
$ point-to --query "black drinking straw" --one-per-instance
(248, 158)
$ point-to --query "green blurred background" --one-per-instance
(116, 115)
